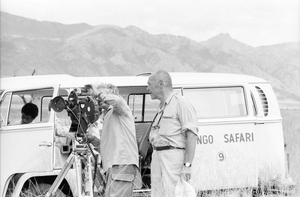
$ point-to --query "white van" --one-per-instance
(240, 142)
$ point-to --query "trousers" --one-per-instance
(165, 171)
(120, 180)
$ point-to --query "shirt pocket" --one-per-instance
(123, 177)
(168, 115)
(123, 173)
(169, 125)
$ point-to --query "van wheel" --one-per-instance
(40, 189)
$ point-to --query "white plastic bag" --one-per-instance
(184, 189)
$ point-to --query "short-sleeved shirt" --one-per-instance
(174, 118)
(118, 145)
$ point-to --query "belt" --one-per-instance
(160, 148)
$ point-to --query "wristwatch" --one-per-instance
(187, 165)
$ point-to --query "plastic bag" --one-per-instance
(184, 189)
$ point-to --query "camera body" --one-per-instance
(82, 111)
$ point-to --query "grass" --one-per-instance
(291, 128)
(34, 189)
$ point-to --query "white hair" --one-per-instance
(108, 87)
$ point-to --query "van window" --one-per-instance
(217, 102)
(40, 97)
(143, 107)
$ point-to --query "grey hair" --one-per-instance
(109, 88)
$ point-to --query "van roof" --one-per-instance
(178, 79)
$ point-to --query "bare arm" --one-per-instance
(190, 148)
(119, 104)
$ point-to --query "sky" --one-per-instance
(253, 22)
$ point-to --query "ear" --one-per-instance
(161, 83)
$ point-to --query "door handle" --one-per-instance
(48, 144)
(259, 123)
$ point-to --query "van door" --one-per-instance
(226, 152)
(26, 147)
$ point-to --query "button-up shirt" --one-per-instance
(118, 144)
(175, 117)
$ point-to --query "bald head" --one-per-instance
(164, 77)
(160, 85)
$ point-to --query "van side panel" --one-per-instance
(270, 143)
(226, 150)
(225, 156)
(26, 150)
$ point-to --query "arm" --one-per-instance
(190, 148)
(188, 118)
(62, 130)
(119, 104)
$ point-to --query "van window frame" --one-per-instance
(38, 120)
(42, 109)
(8, 95)
(143, 105)
(253, 101)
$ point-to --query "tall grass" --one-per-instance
(34, 189)
(40, 189)
(291, 128)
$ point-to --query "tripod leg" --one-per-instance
(89, 180)
(95, 174)
(78, 167)
(61, 175)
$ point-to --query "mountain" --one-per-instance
(225, 43)
(29, 46)
(19, 26)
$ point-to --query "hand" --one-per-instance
(103, 105)
(92, 139)
(101, 93)
(186, 173)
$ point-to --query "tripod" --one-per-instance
(81, 158)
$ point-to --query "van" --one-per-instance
(240, 142)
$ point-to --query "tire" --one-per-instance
(39, 189)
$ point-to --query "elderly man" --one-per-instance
(118, 146)
(173, 136)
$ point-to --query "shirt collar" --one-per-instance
(168, 100)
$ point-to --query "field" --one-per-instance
(291, 128)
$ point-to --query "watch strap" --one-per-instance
(187, 165)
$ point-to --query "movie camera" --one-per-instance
(82, 111)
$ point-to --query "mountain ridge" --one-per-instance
(84, 50)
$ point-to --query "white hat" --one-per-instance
(184, 189)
